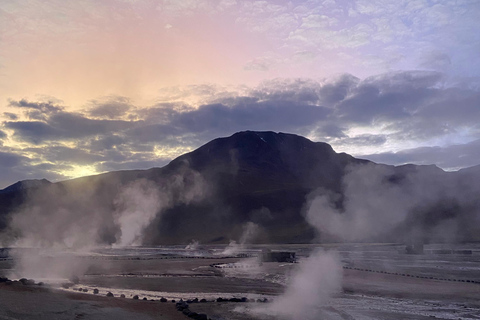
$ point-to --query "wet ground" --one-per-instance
(379, 281)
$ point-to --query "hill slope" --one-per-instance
(263, 179)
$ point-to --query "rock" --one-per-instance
(135, 297)
(95, 291)
(27, 282)
(144, 299)
(181, 305)
(163, 300)
(122, 296)
(220, 300)
(3, 280)
(66, 285)
(85, 290)
(109, 294)
(203, 300)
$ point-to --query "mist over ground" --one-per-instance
(252, 185)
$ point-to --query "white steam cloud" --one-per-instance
(377, 200)
(138, 204)
(311, 285)
(250, 231)
(74, 217)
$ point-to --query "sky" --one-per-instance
(93, 86)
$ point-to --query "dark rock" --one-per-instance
(95, 291)
(163, 300)
(3, 280)
(144, 299)
(181, 305)
(203, 300)
(85, 290)
(135, 297)
(122, 296)
(66, 285)
(27, 282)
(109, 294)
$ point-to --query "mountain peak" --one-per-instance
(26, 184)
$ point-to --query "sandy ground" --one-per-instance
(30, 302)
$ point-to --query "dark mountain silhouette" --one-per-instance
(259, 177)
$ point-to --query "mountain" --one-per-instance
(214, 193)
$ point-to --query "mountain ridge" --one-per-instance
(211, 193)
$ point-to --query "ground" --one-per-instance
(379, 282)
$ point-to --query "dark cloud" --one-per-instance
(338, 90)
(297, 91)
(3, 135)
(415, 106)
(450, 157)
(112, 109)
(64, 126)
(106, 142)
(219, 119)
(33, 131)
(10, 116)
(48, 107)
(9, 160)
(393, 96)
(328, 131)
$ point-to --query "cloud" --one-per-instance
(392, 96)
(47, 107)
(365, 140)
(338, 89)
(9, 160)
(436, 61)
(32, 131)
(10, 116)
(395, 110)
(61, 154)
(64, 125)
(114, 108)
(452, 157)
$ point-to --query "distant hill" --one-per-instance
(213, 192)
